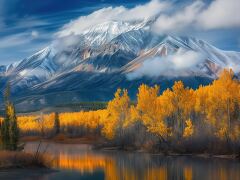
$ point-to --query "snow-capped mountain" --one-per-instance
(92, 65)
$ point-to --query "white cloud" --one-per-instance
(192, 17)
(172, 65)
(120, 13)
(199, 16)
(180, 20)
(144, 11)
(65, 43)
(221, 14)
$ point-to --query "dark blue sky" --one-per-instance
(27, 26)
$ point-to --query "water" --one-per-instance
(81, 162)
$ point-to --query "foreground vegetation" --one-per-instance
(183, 120)
(11, 155)
(16, 159)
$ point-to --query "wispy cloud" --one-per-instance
(15, 40)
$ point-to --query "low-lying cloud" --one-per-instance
(172, 65)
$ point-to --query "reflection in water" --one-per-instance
(188, 173)
(79, 161)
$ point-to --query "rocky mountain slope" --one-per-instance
(92, 65)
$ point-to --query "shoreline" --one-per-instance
(98, 144)
(200, 155)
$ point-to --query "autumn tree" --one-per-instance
(183, 101)
(223, 103)
(150, 113)
(118, 113)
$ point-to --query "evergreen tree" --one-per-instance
(9, 127)
(5, 133)
(13, 129)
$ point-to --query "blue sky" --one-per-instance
(27, 26)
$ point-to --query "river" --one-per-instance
(78, 161)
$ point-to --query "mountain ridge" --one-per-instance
(101, 59)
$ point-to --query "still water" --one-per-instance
(81, 162)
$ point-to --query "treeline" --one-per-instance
(180, 119)
(86, 106)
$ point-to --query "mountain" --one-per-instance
(92, 65)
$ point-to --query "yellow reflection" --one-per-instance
(188, 173)
(120, 169)
(83, 163)
(156, 174)
(89, 163)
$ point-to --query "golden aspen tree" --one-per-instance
(118, 112)
(183, 100)
(222, 103)
(149, 111)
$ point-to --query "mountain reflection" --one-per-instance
(138, 166)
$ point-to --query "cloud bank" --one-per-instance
(197, 16)
(165, 66)
(220, 14)
(120, 13)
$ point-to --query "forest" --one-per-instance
(178, 120)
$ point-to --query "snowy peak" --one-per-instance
(105, 32)
(104, 55)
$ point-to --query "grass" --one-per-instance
(19, 159)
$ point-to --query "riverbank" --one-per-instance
(99, 143)
(172, 154)
(16, 159)
(63, 139)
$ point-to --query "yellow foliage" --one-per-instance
(215, 106)
(90, 120)
(118, 113)
(222, 132)
(151, 110)
(37, 123)
(189, 129)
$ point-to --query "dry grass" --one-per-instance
(62, 138)
(13, 159)
(30, 138)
